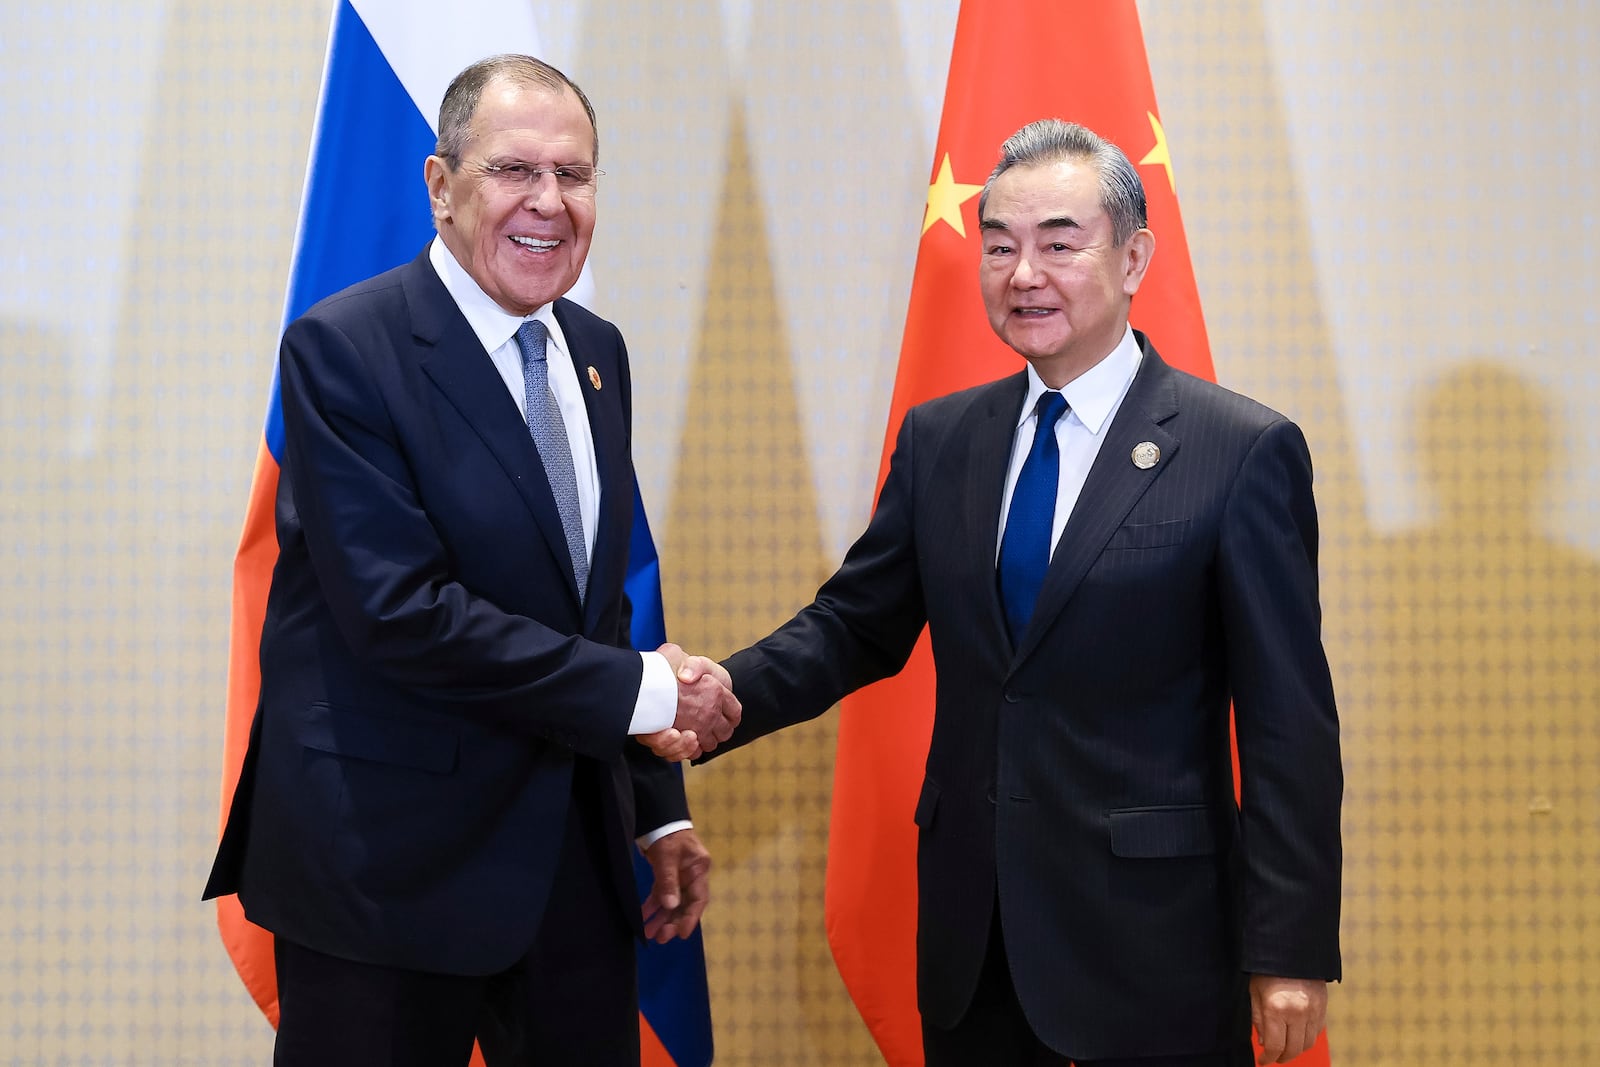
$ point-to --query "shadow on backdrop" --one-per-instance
(1484, 801)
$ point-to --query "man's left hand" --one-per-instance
(682, 869)
(1288, 1014)
(672, 745)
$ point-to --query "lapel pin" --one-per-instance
(594, 378)
(1146, 455)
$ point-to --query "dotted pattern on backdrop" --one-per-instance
(1467, 651)
(118, 525)
(742, 553)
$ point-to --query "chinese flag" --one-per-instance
(1014, 61)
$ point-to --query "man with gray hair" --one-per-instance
(436, 809)
(1107, 553)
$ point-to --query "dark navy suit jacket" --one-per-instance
(1084, 777)
(429, 679)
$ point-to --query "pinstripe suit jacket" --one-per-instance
(1084, 776)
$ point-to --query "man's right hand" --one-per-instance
(706, 704)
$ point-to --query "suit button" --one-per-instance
(989, 796)
(1012, 697)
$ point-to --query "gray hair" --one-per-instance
(1054, 140)
(466, 90)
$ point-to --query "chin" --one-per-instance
(533, 300)
(1033, 350)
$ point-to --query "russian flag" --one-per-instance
(365, 210)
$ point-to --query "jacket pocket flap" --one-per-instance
(927, 803)
(1161, 833)
(379, 738)
(1149, 534)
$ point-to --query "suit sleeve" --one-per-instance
(861, 627)
(658, 792)
(1287, 724)
(386, 576)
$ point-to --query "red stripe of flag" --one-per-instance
(248, 944)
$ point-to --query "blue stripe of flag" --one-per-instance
(360, 214)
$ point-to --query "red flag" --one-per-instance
(1014, 61)
(249, 945)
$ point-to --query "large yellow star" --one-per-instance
(1159, 155)
(945, 197)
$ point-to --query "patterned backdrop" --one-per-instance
(1393, 213)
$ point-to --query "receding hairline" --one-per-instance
(515, 88)
(463, 99)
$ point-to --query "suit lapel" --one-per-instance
(454, 359)
(1114, 485)
(610, 437)
(991, 434)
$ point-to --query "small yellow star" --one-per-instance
(1159, 155)
(945, 197)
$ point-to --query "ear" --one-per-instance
(1140, 247)
(436, 174)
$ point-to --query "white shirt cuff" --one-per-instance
(657, 706)
(646, 840)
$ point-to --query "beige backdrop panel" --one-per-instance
(1392, 215)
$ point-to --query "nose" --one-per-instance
(544, 194)
(1024, 276)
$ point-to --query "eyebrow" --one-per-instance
(507, 160)
(1058, 222)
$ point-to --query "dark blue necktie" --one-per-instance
(550, 437)
(1025, 548)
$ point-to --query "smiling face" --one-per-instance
(1056, 288)
(524, 247)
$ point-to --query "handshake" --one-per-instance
(707, 709)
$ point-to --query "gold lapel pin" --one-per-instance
(1146, 455)
(594, 378)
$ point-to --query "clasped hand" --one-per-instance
(707, 709)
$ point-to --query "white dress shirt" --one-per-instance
(1093, 399)
(657, 704)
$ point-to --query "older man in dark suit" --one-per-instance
(440, 791)
(1107, 553)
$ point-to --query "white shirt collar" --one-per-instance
(1093, 395)
(493, 324)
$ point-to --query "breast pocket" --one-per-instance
(1146, 535)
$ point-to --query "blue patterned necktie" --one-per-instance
(550, 437)
(1025, 547)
